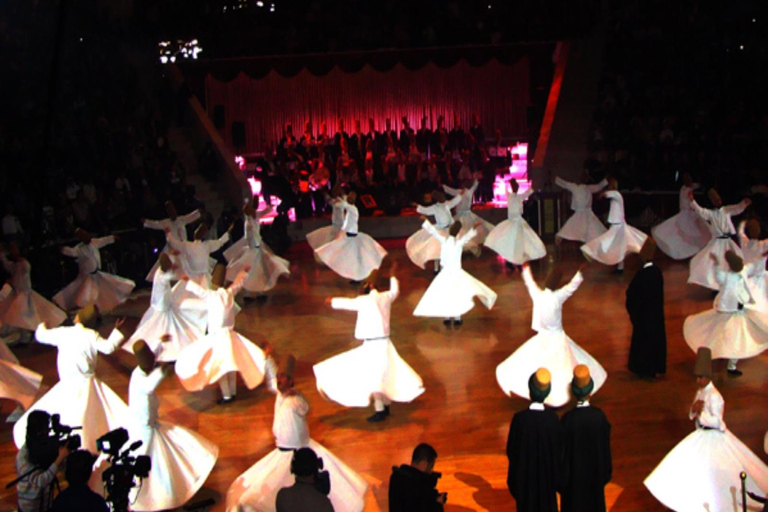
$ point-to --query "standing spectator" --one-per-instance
(78, 496)
(412, 488)
(304, 495)
(587, 465)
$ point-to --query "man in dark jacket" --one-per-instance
(534, 449)
(412, 487)
(587, 463)
(645, 305)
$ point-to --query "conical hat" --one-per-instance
(144, 355)
(734, 261)
(219, 275)
(703, 367)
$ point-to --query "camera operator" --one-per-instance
(37, 463)
(78, 496)
(412, 488)
(304, 495)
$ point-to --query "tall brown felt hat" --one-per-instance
(734, 261)
(703, 367)
(144, 355)
(648, 249)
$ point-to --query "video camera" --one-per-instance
(119, 477)
(63, 434)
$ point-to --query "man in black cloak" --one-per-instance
(534, 450)
(587, 463)
(645, 305)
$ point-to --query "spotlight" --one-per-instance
(259, 4)
(163, 59)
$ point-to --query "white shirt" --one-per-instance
(450, 247)
(373, 311)
(581, 195)
(548, 304)
(221, 302)
(733, 291)
(720, 219)
(515, 202)
(87, 255)
(711, 415)
(196, 252)
(161, 290)
(351, 217)
(289, 425)
(441, 212)
(465, 204)
(142, 399)
(177, 226)
(19, 271)
(79, 348)
(616, 210)
(685, 200)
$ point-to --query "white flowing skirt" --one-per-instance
(702, 268)
(28, 310)
(18, 383)
(758, 288)
(105, 291)
(182, 329)
(701, 473)
(738, 335)
(422, 247)
(611, 247)
(682, 235)
(374, 367)
(451, 295)
(181, 462)
(256, 489)
(324, 235)
(468, 221)
(558, 353)
(193, 308)
(265, 268)
(582, 226)
(516, 241)
(81, 401)
(210, 358)
(352, 257)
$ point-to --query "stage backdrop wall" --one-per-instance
(497, 92)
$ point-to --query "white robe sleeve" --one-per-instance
(155, 224)
(103, 241)
(594, 189)
(69, 251)
(567, 185)
(453, 202)
(345, 303)
(237, 284)
(46, 336)
(466, 237)
(425, 210)
(109, 345)
(451, 191)
(569, 289)
(735, 209)
(530, 284)
(190, 217)
(197, 289)
(215, 245)
(701, 212)
(174, 242)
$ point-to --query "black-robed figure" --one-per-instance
(534, 449)
(645, 305)
(587, 464)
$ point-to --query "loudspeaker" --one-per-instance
(238, 134)
(219, 120)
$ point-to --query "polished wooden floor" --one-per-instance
(463, 413)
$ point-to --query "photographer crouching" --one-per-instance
(39, 460)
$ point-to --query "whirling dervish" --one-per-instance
(683, 235)
(322, 236)
(452, 291)
(421, 246)
(79, 397)
(355, 255)
(611, 247)
(92, 286)
(251, 252)
(222, 353)
(551, 347)
(181, 459)
(583, 225)
(23, 307)
(178, 226)
(465, 215)
(257, 488)
(755, 253)
(513, 239)
(703, 269)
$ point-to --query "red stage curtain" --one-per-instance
(498, 93)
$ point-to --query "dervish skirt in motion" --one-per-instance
(702, 472)
(558, 353)
(322, 236)
(373, 367)
(256, 489)
(181, 462)
(28, 310)
(682, 236)
(18, 383)
(265, 268)
(210, 358)
(468, 221)
(611, 247)
(352, 257)
(582, 226)
(182, 329)
(422, 247)
(702, 268)
(81, 401)
(515, 241)
(105, 291)
(738, 335)
(451, 295)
